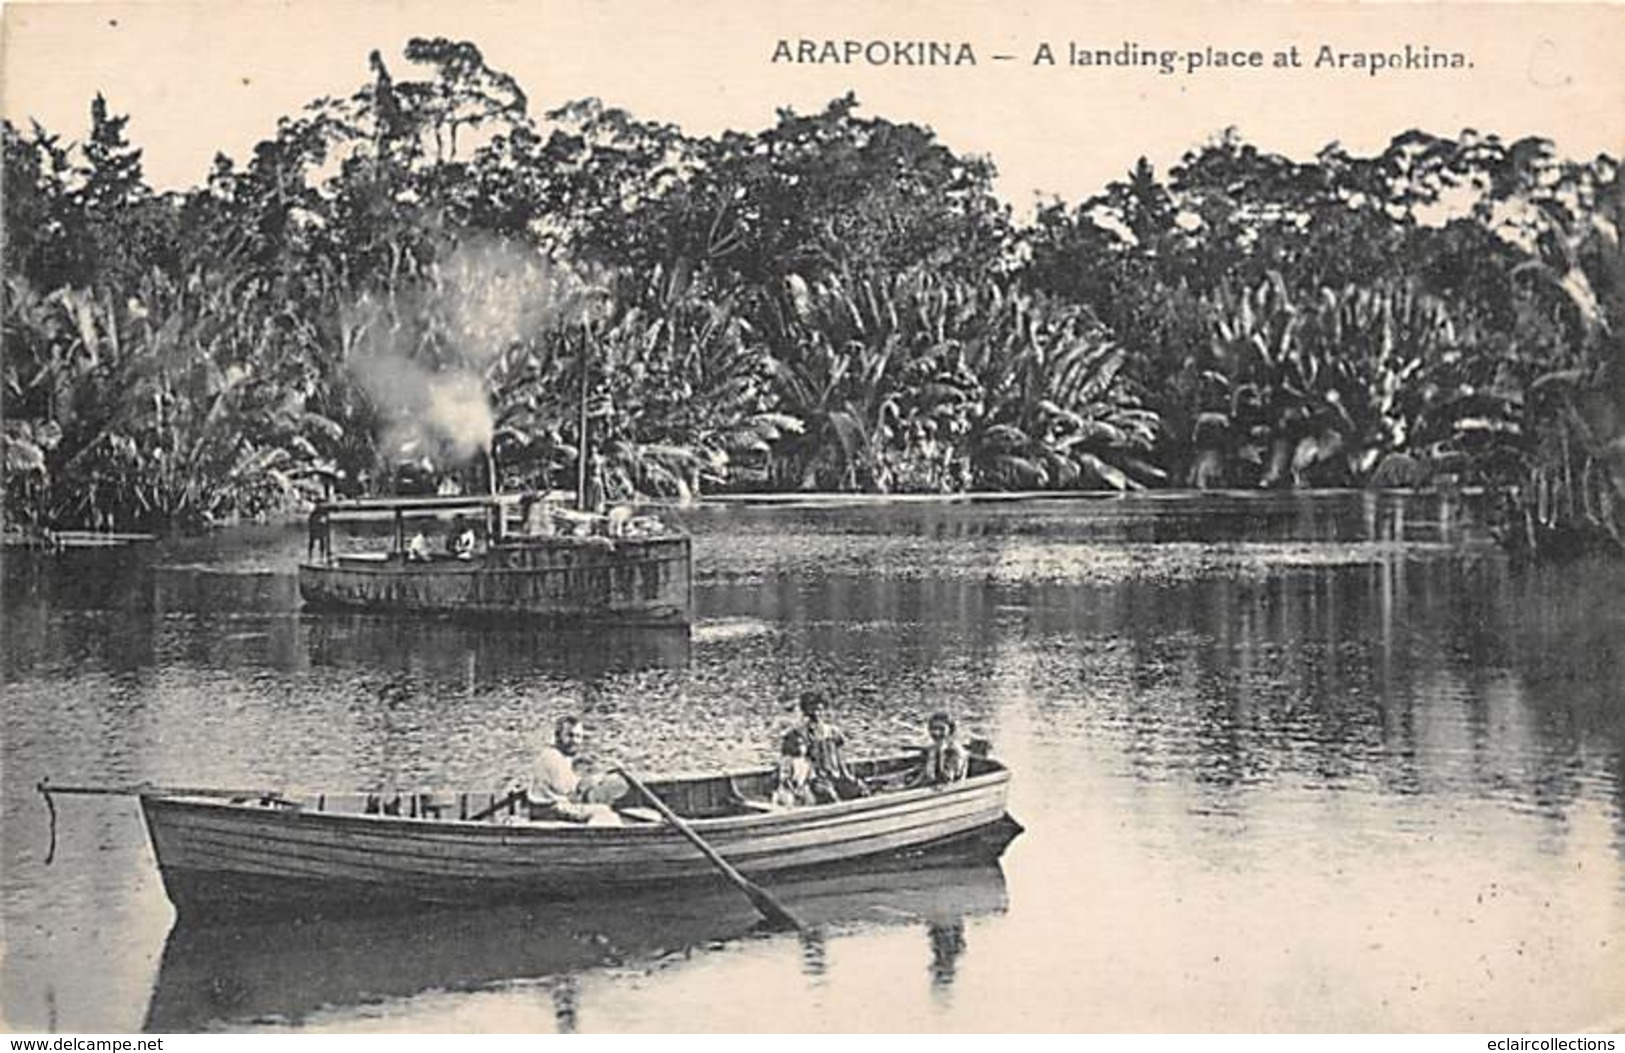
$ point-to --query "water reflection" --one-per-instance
(814, 954)
(282, 973)
(452, 650)
(57, 612)
(566, 993)
(947, 947)
(1210, 517)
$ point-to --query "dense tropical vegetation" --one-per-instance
(422, 281)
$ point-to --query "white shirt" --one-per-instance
(554, 777)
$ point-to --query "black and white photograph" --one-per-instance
(608, 516)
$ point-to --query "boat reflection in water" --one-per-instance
(225, 976)
(446, 649)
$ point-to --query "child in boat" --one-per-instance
(795, 778)
(945, 759)
(833, 779)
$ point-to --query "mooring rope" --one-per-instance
(50, 806)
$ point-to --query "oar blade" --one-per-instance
(773, 913)
(765, 904)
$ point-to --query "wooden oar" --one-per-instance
(147, 789)
(497, 806)
(770, 908)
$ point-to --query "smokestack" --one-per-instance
(423, 352)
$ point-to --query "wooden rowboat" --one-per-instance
(316, 854)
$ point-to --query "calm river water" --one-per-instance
(1285, 763)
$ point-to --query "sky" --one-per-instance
(202, 77)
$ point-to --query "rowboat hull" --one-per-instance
(224, 857)
(643, 581)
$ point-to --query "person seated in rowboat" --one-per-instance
(833, 779)
(417, 549)
(794, 783)
(557, 792)
(945, 759)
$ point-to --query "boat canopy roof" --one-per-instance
(430, 503)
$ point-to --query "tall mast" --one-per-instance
(581, 434)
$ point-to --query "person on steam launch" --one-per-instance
(462, 540)
(597, 495)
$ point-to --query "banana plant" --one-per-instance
(1573, 490)
(162, 407)
(677, 387)
(1321, 386)
(922, 382)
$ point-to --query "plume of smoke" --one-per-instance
(423, 353)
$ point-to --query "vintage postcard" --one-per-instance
(903, 516)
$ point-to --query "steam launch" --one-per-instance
(505, 555)
(453, 542)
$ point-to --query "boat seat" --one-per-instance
(270, 800)
(737, 798)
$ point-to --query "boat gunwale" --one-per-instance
(393, 566)
(384, 509)
(802, 817)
